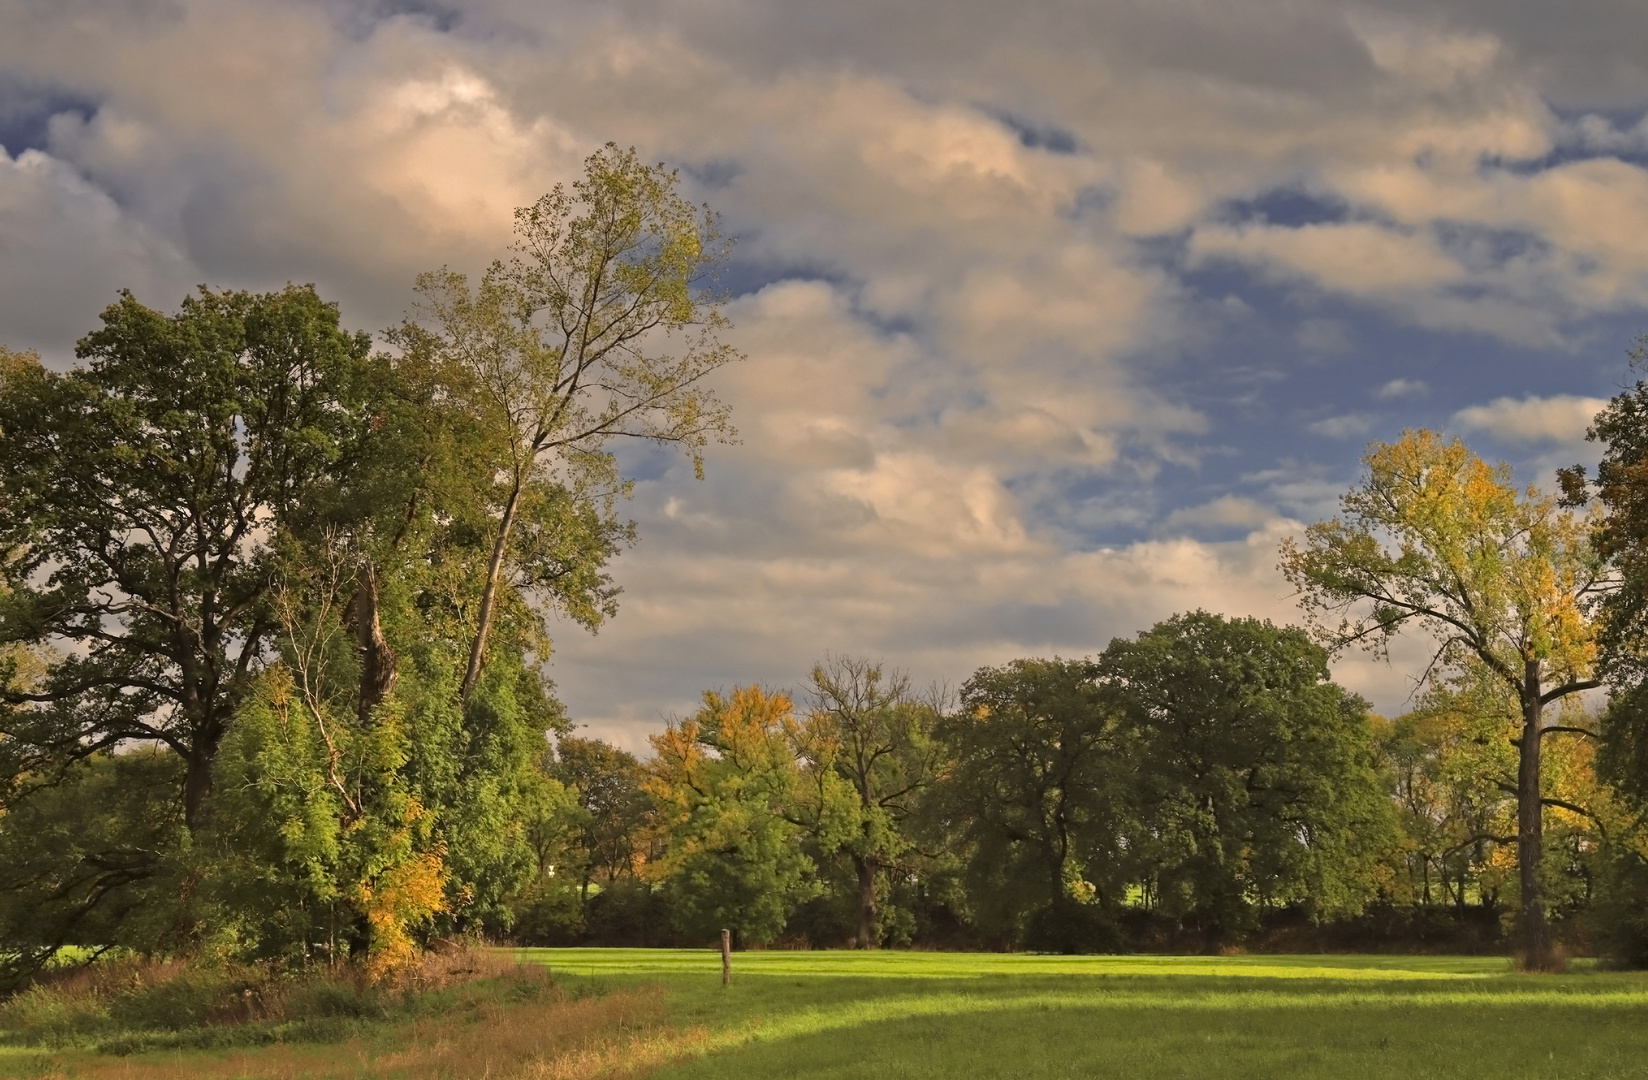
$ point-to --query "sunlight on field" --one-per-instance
(663, 1014)
(935, 965)
(909, 1015)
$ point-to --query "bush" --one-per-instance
(127, 1006)
(47, 1015)
(548, 913)
(1069, 927)
(632, 913)
(1618, 917)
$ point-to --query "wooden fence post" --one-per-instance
(726, 958)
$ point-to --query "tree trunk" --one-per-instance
(1536, 948)
(377, 659)
(489, 595)
(197, 781)
(866, 869)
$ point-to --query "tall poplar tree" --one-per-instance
(598, 328)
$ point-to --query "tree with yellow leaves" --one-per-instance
(1436, 537)
(726, 785)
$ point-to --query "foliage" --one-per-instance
(1622, 536)
(1435, 536)
(1253, 774)
(1449, 764)
(567, 347)
(609, 786)
(318, 575)
(139, 491)
(95, 859)
(1032, 786)
(319, 847)
(868, 753)
(551, 816)
(455, 1010)
(725, 782)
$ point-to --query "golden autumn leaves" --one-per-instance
(1503, 581)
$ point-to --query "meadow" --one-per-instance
(663, 1013)
(842, 1014)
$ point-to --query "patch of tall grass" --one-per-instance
(128, 1005)
(459, 1014)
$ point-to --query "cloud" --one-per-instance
(1224, 513)
(1324, 337)
(1001, 384)
(1349, 426)
(1402, 388)
(66, 248)
(1563, 418)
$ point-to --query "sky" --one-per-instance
(1058, 317)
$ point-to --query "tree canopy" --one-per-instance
(1436, 537)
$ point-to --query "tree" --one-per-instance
(725, 784)
(83, 862)
(568, 347)
(1622, 537)
(1449, 763)
(867, 730)
(1032, 784)
(1435, 536)
(608, 784)
(137, 496)
(1253, 775)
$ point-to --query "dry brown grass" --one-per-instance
(549, 1038)
(516, 1024)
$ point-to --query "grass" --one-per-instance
(897, 1015)
(474, 1013)
(663, 1014)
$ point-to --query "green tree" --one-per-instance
(597, 329)
(138, 495)
(610, 843)
(553, 820)
(1451, 764)
(726, 786)
(867, 731)
(1253, 775)
(321, 843)
(1622, 538)
(1435, 536)
(1032, 784)
(90, 860)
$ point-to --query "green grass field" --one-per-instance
(662, 1013)
(842, 1014)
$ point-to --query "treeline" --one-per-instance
(1206, 784)
(1203, 785)
(1205, 772)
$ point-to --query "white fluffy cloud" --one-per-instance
(1560, 419)
(1402, 388)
